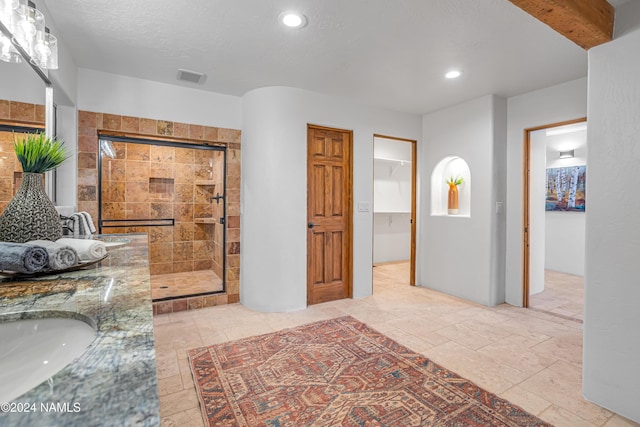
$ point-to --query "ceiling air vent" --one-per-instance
(191, 76)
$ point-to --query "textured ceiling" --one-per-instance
(384, 53)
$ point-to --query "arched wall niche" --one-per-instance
(450, 166)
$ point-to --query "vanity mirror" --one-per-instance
(24, 37)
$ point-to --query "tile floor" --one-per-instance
(529, 357)
(563, 296)
(183, 284)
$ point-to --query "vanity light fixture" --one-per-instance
(567, 154)
(23, 35)
(453, 74)
(293, 19)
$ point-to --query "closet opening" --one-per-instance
(394, 210)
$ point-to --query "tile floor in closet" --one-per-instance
(530, 357)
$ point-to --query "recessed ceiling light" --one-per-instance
(453, 74)
(293, 19)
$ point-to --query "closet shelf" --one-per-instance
(384, 159)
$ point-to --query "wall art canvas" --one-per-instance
(566, 189)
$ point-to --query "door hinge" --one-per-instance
(222, 220)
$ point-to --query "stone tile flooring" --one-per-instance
(563, 295)
(532, 358)
(182, 284)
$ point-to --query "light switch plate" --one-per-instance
(364, 206)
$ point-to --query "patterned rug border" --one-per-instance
(495, 405)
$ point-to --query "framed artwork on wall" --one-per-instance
(566, 189)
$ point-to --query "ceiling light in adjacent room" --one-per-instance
(293, 19)
(453, 74)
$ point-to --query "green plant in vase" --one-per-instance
(38, 153)
(452, 200)
(31, 215)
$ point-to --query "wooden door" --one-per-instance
(329, 212)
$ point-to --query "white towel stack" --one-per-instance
(87, 249)
(81, 224)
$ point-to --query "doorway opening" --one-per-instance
(553, 218)
(394, 208)
(174, 192)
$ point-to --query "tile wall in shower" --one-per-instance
(148, 183)
(91, 123)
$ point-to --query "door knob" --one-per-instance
(310, 225)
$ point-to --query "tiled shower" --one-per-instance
(185, 236)
(175, 192)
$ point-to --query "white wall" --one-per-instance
(391, 237)
(25, 84)
(116, 94)
(274, 189)
(537, 217)
(461, 255)
(565, 231)
(611, 371)
(67, 173)
(565, 240)
(551, 105)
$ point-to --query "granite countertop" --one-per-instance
(114, 382)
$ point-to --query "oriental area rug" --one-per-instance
(338, 372)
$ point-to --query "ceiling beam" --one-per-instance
(587, 23)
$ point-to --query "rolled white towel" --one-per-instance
(60, 256)
(87, 249)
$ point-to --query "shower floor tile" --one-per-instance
(183, 284)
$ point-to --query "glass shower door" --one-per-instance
(175, 193)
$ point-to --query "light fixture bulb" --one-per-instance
(8, 53)
(42, 50)
(293, 19)
(453, 74)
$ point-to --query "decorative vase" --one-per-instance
(30, 215)
(452, 204)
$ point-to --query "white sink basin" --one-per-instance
(33, 350)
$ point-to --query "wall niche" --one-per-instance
(450, 166)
